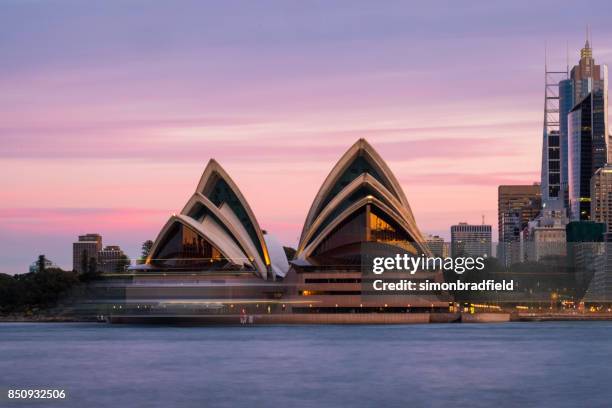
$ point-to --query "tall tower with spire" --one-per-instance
(585, 133)
(586, 75)
(564, 90)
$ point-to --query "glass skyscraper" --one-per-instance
(587, 151)
(566, 103)
(583, 129)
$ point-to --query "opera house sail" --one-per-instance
(359, 201)
(359, 204)
(216, 230)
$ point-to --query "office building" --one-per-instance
(551, 171)
(470, 240)
(585, 78)
(86, 247)
(587, 151)
(112, 259)
(601, 196)
(586, 129)
(508, 250)
(585, 231)
(566, 103)
(586, 250)
(524, 201)
(600, 288)
(437, 246)
(516, 206)
(544, 237)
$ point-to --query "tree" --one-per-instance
(122, 263)
(92, 267)
(41, 263)
(146, 250)
(9, 292)
(84, 259)
(20, 293)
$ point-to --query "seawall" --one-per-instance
(314, 318)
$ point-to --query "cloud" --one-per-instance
(135, 140)
(476, 179)
(76, 220)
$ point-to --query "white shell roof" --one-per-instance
(278, 259)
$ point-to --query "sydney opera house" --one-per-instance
(213, 263)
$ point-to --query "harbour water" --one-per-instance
(560, 364)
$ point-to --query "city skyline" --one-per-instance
(103, 133)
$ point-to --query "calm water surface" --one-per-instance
(480, 365)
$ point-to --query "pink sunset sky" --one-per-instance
(110, 112)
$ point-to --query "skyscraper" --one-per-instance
(470, 240)
(587, 151)
(550, 183)
(587, 77)
(545, 235)
(584, 78)
(566, 103)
